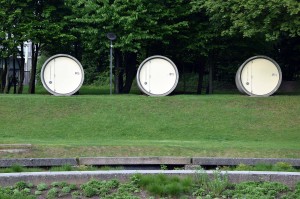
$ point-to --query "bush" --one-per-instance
(17, 168)
(52, 193)
(42, 187)
(214, 186)
(283, 166)
(163, 185)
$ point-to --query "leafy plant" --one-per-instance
(42, 187)
(66, 167)
(257, 190)
(66, 190)
(163, 167)
(52, 193)
(38, 193)
(214, 185)
(283, 166)
(243, 167)
(76, 195)
(163, 185)
(17, 168)
(21, 185)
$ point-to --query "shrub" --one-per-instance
(76, 195)
(73, 186)
(52, 193)
(283, 166)
(89, 191)
(59, 184)
(163, 185)
(21, 185)
(66, 167)
(16, 168)
(42, 187)
(38, 193)
(244, 167)
(214, 186)
(66, 190)
(258, 190)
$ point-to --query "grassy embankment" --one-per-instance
(137, 125)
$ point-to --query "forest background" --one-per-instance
(207, 39)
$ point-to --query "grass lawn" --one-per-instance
(137, 125)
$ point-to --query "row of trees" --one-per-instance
(198, 35)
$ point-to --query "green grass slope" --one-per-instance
(136, 125)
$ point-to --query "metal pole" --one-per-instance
(111, 46)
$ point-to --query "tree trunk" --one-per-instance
(7, 82)
(35, 51)
(130, 67)
(14, 78)
(3, 76)
(21, 71)
(201, 70)
(118, 72)
(209, 89)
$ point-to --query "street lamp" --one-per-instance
(111, 36)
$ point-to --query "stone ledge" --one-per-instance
(135, 161)
(38, 162)
(79, 177)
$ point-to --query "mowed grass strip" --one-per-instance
(138, 125)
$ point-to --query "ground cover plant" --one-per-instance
(137, 125)
(153, 186)
(279, 166)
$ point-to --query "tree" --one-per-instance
(46, 26)
(12, 32)
(139, 25)
(251, 17)
(271, 21)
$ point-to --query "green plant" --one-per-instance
(163, 185)
(26, 191)
(73, 186)
(254, 190)
(76, 195)
(52, 193)
(214, 185)
(66, 190)
(38, 193)
(283, 166)
(89, 191)
(263, 167)
(21, 185)
(42, 187)
(59, 184)
(17, 168)
(66, 167)
(163, 167)
(243, 167)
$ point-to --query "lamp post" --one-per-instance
(111, 36)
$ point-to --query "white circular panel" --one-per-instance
(157, 76)
(62, 75)
(259, 76)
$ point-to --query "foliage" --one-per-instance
(52, 193)
(214, 186)
(66, 167)
(272, 18)
(257, 190)
(138, 186)
(42, 187)
(163, 185)
(279, 166)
